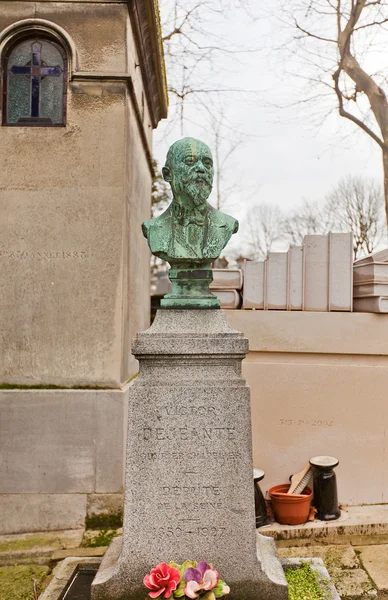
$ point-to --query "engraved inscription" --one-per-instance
(44, 254)
(189, 434)
(202, 453)
(178, 490)
(188, 529)
(308, 422)
(189, 506)
(182, 411)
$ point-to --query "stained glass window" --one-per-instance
(34, 83)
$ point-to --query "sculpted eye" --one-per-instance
(208, 162)
(189, 160)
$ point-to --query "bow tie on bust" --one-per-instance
(186, 217)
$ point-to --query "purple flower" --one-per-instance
(201, 577)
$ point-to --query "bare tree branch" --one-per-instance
(313, 35)
(348, 115)
(263, 227)
(342, 36)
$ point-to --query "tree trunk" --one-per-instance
(385, 168)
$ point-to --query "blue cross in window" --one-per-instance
(37, 70)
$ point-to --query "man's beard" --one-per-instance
(198, 190)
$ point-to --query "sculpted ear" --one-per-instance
(166, 174)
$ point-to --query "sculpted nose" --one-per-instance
(200, 166)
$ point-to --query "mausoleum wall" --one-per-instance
(74, 287)
(319, 387)
(72, 202)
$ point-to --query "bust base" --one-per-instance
(190, 287)
(189, 303)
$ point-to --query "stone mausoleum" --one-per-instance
(82, 88)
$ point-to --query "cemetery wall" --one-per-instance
(319, 387)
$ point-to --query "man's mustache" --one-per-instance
(199, 177)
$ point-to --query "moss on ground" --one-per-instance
(27, 543)
(304, 584)
(98, 539)
(22, 582)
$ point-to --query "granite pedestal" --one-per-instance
(188, 491)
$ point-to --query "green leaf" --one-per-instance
(180, 591)
(209, 595)
(186, 565)
(221, 589)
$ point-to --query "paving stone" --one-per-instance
(375, 560)
(352, 583)
(343, 557)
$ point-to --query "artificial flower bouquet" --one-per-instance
(190, 580)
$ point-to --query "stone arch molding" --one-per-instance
(14, 30)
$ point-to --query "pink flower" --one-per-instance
(162, 579)
(201, 577)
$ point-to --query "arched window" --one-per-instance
(34, 84)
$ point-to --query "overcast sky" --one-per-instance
(287, 153)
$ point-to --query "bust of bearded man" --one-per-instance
(190, 230)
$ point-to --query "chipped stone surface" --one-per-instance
(375, 560)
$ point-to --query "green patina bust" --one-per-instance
(190, 234)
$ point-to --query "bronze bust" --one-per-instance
(190, 234)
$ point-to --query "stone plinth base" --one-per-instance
(269, 575)
(189, 491)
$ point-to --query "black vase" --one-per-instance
(325, 488)
(260, 504)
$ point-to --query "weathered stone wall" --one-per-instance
(59, 448)
(74, 286)
(319, 386)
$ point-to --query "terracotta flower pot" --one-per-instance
(290, 509)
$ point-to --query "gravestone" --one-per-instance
(189, 490)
